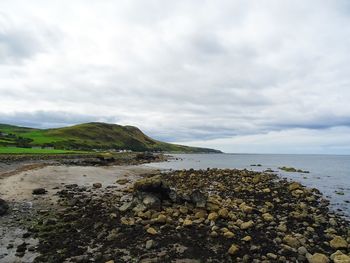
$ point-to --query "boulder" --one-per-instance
(3, 207)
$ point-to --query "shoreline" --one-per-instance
(239, 214)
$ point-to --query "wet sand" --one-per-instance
(17, 188)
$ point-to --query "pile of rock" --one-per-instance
(200, 216)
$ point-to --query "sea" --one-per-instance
(328, 173)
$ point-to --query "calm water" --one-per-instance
(328, 173)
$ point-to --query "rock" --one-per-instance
(126, 206)
(302, 251)
(151, 201)
(246, 208)
(97, 185)
(151, 184)
(291, 241)
(151, 231)
(233, 249)
(341, 259)
(187, 222)
(22, 247)
(267, 217)
(317, 258)
(201, 214)
(338, 242)
(293, 186)
(247, 238)
(149, 244)
(246, 225)
(161, 219)
(110, 261)
(271, 256)
(223, 212)
(282, 228)
(39, 191)
(122, 181)
(213, 216)
(3, 207)
(229, 234)
(198, 198)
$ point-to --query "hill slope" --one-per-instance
(89, 136)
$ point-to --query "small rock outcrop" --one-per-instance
(3, 207)
(39, 191)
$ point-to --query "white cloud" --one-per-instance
(180, 70)
(326, 141)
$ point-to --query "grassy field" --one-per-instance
(16, 150)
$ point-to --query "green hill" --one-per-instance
(89, 136)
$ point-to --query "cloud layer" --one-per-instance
(183, 71)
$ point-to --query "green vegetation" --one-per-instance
(18, 150)
(87, 137)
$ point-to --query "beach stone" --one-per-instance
(291, 241)
(229, 234)
(97, 185)
(151, 231)
(317, 258)
(245, 208)
(122, 181)
(338, 242)
(267, 217)
(247, 238)
(213, 216)
(340, 257)
(151, 201)
(201, 214)
(149, 244)
(233, 249)
(39, 191)
(198, 198)
(272, 256)
(223, 212)
(302, 251)
(3, 207)
(282, 228)
(126, 206)
(294, 186)
(161, 219)
(187, 222)
(246, 225)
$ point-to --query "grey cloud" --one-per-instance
(19, 43)
(50, 119)
(193, 70)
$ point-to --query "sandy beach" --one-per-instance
(17, 189)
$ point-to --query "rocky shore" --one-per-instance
(14, 163)
(192, 216)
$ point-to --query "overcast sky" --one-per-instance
(240, 76)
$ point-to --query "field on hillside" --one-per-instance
(17, 150)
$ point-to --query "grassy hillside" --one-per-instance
(88, 136)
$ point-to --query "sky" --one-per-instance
(239, 76)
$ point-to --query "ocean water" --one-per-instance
(328, 173)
